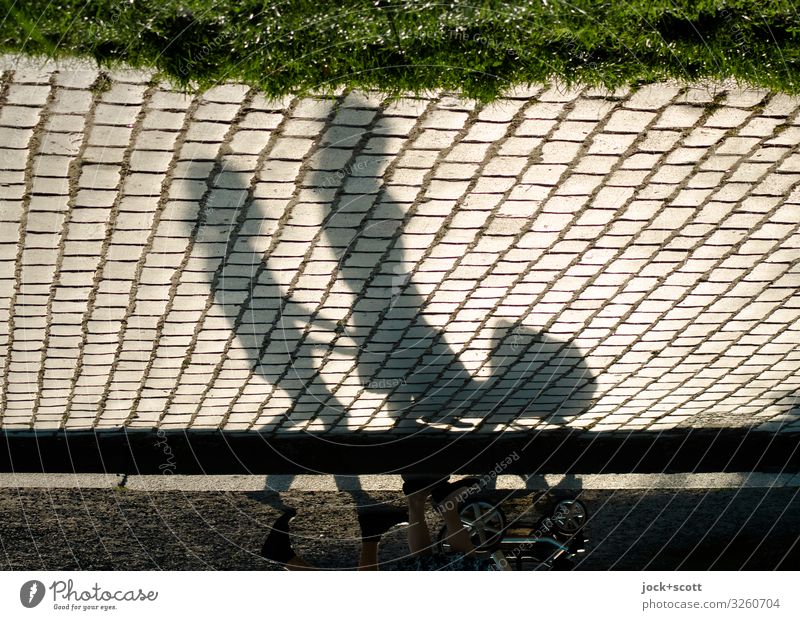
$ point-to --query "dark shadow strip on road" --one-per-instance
(703, 450)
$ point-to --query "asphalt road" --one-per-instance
(110, 529)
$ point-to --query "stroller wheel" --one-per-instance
(484, 522)
(569, 516)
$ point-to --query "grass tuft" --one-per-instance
(102, 84)
(478, 49)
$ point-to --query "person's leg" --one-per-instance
(447, 498)
(368, 559)
(278, 548)
(419, 536)
(457, 535)
(374, 523)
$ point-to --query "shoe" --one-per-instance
(277, 547)
(376, 522)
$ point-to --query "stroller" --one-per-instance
(550, 543)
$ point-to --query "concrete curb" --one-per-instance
(282, 483)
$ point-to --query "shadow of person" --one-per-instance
(327, 292)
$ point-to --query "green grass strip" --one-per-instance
(478, 49)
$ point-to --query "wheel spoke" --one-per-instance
(483, 521)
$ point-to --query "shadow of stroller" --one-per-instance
(320, 289)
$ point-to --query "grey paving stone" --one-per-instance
(314, 108)
(261, 120)
(206, 131)
(216, 112)
(168, 100)
(71, 102)
(629, 121)
(226, 93)
(29, 95)
(290, 148)
(76, 79)
(19, 116)
(251, 142)
(150, 161)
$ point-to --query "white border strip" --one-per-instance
(327, 483)
(622, 595)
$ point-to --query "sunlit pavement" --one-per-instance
(577, 259)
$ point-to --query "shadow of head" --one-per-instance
(512, 379)
(313, 265)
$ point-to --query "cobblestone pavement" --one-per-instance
(597, 260)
